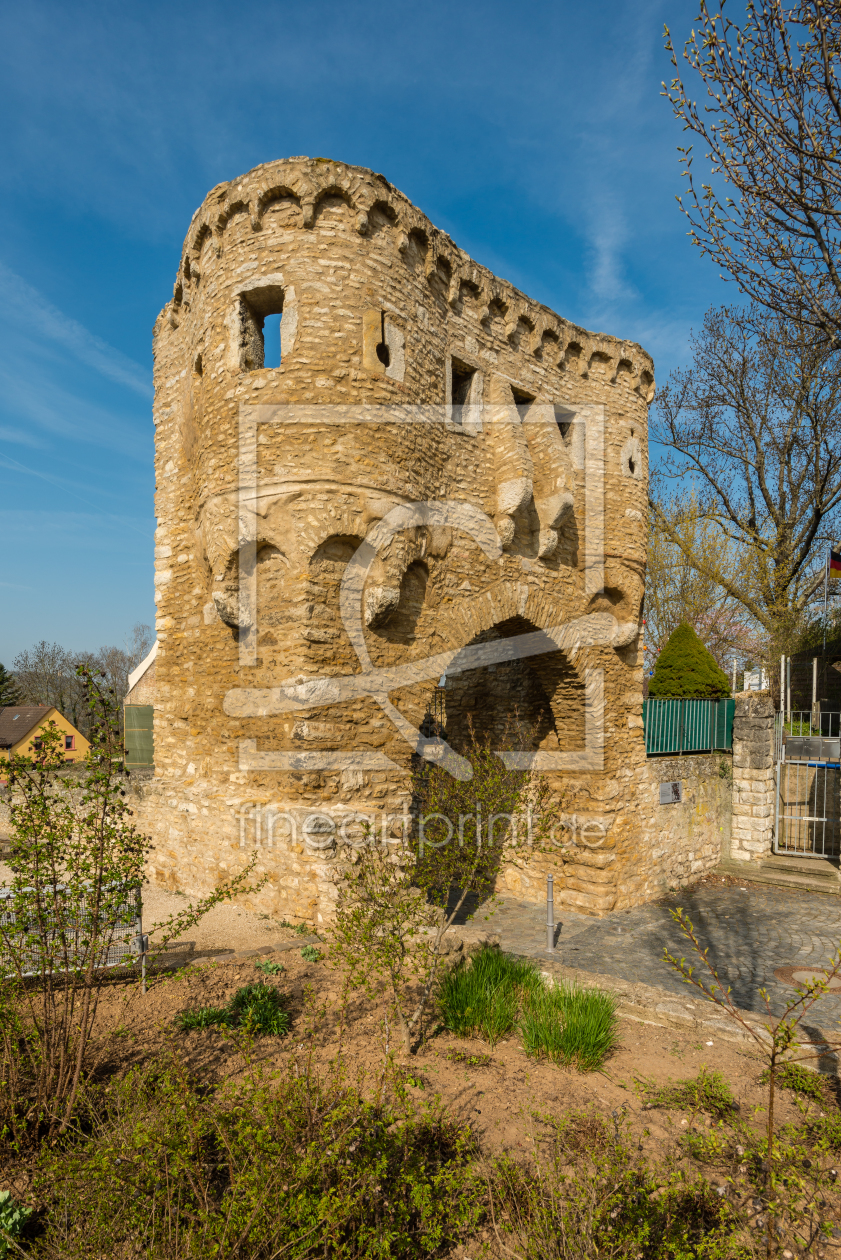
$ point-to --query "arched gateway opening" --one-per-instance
(533, 701)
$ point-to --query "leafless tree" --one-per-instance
(117, 663)
(46, 673)
(677, 591)
(770, 124)
(757, 421)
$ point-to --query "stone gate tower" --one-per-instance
(492, 456)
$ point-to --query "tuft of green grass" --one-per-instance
(203, 1017)
(483, 996)
(798, 1079)
(708, 1091)
(310, 954)
(570, 1024)
(256, 1008)
(270, 968)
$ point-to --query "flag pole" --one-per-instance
(825, 585)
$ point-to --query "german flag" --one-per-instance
(834, 561)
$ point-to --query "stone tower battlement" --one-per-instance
(296, 193)
(474, 462)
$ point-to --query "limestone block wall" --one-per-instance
(754, 784)
(270, 478)
(694, 833)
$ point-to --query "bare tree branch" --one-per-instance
(770, 215)
(756, 420)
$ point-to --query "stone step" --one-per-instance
(823, 878)
(816, 868)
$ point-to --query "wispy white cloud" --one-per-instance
(28, 395)
(24, 306)
(22, 436)
(61, 483)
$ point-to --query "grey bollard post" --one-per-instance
(550, 913)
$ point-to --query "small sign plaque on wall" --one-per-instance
(671, 793)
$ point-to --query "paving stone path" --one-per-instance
(749, 933)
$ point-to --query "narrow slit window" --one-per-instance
(383, 352)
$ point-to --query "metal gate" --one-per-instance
(808, 813)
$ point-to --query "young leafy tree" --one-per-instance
(402, 898)
(678, 589)
(686, 669)
(780, 1040)
(77, 865)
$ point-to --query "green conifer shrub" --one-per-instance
(686, 669)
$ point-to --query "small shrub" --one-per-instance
(401, 897)
(302, 1167)
(469, 1060)
(686, 668)
(255, 1008)
(483, 996)
(826, 1130)
(589, 1195)
(269, 968)
(13, 1217)
(708, 1148)
(708, 1092)
(570, 1025)
(311, 954)
(798, 1079)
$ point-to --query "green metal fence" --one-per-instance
(140, 746)
(687, 726)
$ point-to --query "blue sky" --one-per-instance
(535, 135)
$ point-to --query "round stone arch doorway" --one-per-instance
(532, 703)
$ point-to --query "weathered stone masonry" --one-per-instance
(379, 308)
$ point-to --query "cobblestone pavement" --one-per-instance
(749, 933)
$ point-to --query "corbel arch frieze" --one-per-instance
(265, 197)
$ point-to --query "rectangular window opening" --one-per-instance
(70, 743)
(462, 377)
(462, 383)
(261, 317)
